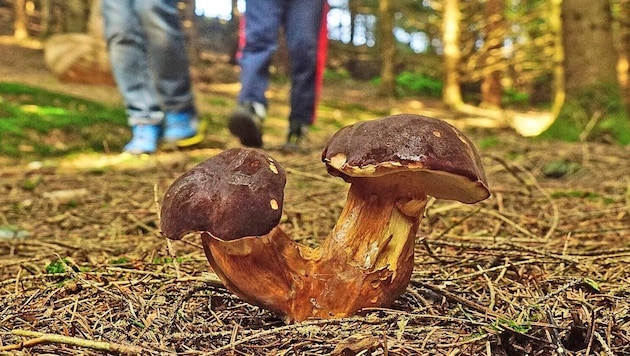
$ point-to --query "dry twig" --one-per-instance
(44, 338)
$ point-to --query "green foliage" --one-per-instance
(217, 101)
(120, 261)
(514, 98)
(559, 168)
(501, 323)
(39, 122)
(409, 83)
(488, 142)
(593, 284)
(580, 194)
(336, 74)
(597, 113)
(31, 182)
(58, 266)
(166, 260)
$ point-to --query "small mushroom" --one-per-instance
(392, 164)
(236, 193)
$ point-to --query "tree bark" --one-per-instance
(388, 47)
(624, 50)
(593, 107)
(555, 24)
(491, 88)
(76, 14)
(591, 57)
(20, 31)
(45, 19)
(451, 95)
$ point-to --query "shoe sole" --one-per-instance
(188, 141)
(196, 139)
(243, 126)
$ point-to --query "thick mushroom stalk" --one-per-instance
(235, 199)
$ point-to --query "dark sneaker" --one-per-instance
(144, 140)
(297, 134)
(246, 124)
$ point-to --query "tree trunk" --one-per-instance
(491, 88)
(587, 29)
(388, 47)
(352, 9)
(189, 27)
(624, 50)
(20, 30)
(45, 17)
(555, 24)
(235, 33)
(593, 107)
(451, 95)
(76, 14)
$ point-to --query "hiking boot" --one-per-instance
(144, 139)
(297, 134)
(246, 123)
(181, 128)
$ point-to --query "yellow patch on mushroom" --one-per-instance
(272, 167)
(437, 133)
(338, 161)
(274, 204)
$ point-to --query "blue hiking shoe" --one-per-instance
(246, 123)
(181, 128)
(144, 139)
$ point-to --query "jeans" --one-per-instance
(148, 57)
(302, 22)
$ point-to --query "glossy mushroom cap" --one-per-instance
(234, 194)
(434, 157)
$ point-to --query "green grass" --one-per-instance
(40, 123)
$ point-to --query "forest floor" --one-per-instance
(542, 267)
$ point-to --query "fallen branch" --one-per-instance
(43, 338)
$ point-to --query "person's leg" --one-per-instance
(127, 54)
(262, 21)
(169, 65)
(303, 25)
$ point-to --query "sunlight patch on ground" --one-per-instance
(126, 161)
(530, 124)
(31, 43)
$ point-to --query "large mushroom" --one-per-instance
(392, 164)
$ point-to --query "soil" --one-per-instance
(541, 267)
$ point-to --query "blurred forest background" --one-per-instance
(568, 59)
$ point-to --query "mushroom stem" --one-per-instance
(377, 226)
(366, 261)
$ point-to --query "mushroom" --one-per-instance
(392, 164)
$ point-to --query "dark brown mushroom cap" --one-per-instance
(234, 194)
(447, 163)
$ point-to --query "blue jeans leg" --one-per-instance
(262, 22)
(148, 56)
(303, 21)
